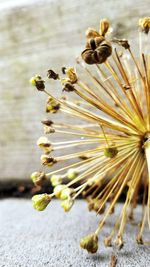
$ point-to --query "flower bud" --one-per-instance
(91, 33)
(90, 243)
(52, 105)
(71, 74)
(47, 122)
(72, 174)
(110, 152)
(144, 24)
(43, 142)
(38, 82)
(52, 75)
(108, 241)
(119, 242)
(55, 180)
(104, 26)
(67, 204)
(66, 193)
(41, 201)
(58, 189)
(48, 161)
(38, 177)
(68, 87)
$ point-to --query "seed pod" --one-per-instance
(144, 24)
(68, 87)
(91, 33)
(52, 75)
(110, 152)
(98, 52)
(38, 178)
(90, 243)
(48, 161)
(71, 74)
(47, 122)
(41, 201)
(104, 26)
(38, 82)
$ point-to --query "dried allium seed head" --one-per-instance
(90, 243)
(144, 24)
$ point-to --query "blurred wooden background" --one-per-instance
(37, 35)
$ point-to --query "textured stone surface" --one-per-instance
(37, 35)
(51, 238)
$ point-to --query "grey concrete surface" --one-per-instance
(51, 238)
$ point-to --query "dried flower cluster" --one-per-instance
(111, 132)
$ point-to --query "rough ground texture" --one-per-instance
(51, 238)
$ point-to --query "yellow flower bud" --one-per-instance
(65, 193)
(71, 74)
(58, 189)
(38, 177)
(48, 161)
(104, 26)
(144, 24)
(90, 243)
(37, 82)
(67, 204)
(41, 201)
(110, 152)
(72, 174)
(55, 180)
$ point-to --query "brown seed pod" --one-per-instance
(93, 43)
(98, 53)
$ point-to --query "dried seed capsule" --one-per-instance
(72, 174)
(52, 75)
(48, 161)
(98, 52)
(47, 122)
(55, 180)
(68, 87)
(91, 33)
(71, 74)
(67, 204)
(104, 26)
(38, 178)
(52, 105)
(110, 152)
(144, 24)
(90, 243)
(38, 82)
